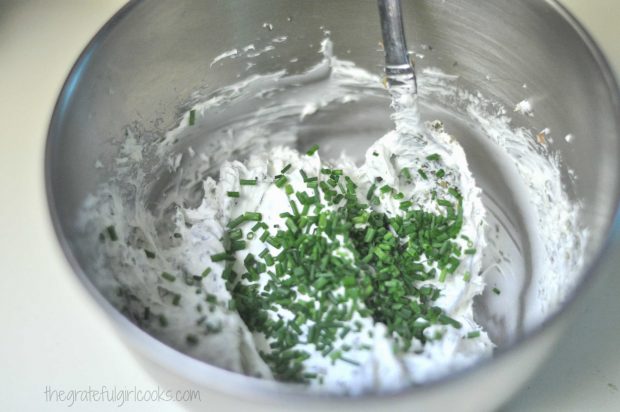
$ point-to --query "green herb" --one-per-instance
(232, 194)
(433, 157)
(281, 181)
(406, 173)
(384, 278)
(112, 233)
(252, 217)
(191, 340)
(497, 291)
(235, 234)
(313, 150)
(286, 168)
(192, 117)
(371, 191)
(218, 257)
(422, 173)
(404, 205)
(237, 245)
(168, 276)
(248, 182)
(149, 254)
(473, 334)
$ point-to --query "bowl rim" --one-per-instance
(204, 374)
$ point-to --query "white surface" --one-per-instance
(53, 334)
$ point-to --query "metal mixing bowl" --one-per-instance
(145, 64)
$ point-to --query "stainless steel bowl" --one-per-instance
(146, 62)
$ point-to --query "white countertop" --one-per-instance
(56, 337)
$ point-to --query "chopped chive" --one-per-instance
(168, 276)
(470, 251)
(497, 291)
(236, 222)
(375, 154)
(406, 173)
(442, 276)
(192, 117)
(371, 191)
(281, 181)
(473, 334)
(206, 272)
(404, 205)
(237, 245)
(286, 168)
(112, 233)
(219, 257)
(248, 182)
(149, 254)
(370, 234)
(191, 340)
(232, 194)
(235, 234)
(350, 361)
(422, 173)
(252, 217)
(313, 150)
(440, 173)
(433, 157)
(291, 225)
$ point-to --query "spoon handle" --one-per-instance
(399, 68)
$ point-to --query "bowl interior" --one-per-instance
(155, 60)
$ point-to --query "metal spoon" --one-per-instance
(399, 67)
